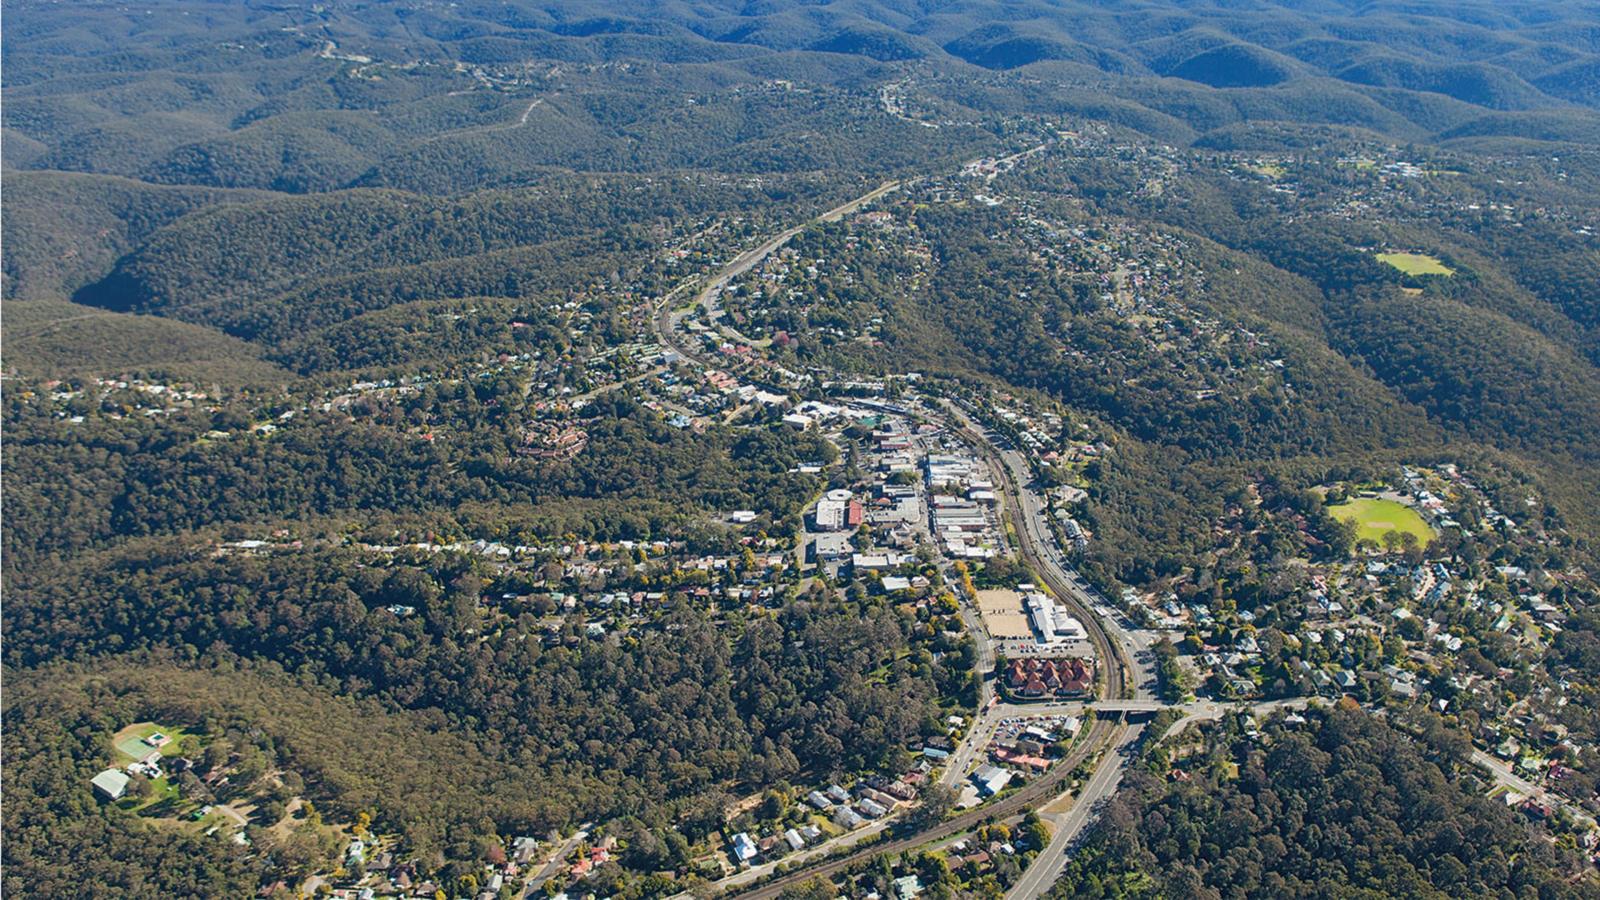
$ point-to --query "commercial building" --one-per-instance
(830, 514)
(832, 546)
(990, 780)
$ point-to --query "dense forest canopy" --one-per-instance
(346, 433)
(1348, 803)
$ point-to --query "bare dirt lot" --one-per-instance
(1003, 614)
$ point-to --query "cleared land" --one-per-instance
(1375, 517)
(1003, 614)
(1416, 263)
(130, 741)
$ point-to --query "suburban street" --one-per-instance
(1038, 791)
(1123, 652)
(1047, 866)
(799, 450)
(742, 263)
(1027, 511)
(1504, 776)
(555, 861)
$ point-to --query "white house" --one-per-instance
(111, 784)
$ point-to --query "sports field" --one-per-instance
(1375, 517)
(130, 741)
(1416, 263)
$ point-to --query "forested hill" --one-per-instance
(406, 123)
(369, 426)
(442, 98)
(1346, 804)
(273, 270)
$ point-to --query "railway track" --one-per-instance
(1103, 733)
(1099, 736)
(1113, 663)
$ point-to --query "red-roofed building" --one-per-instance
(853, 514)
(1037, 678)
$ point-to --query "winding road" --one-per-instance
(1128, 686)
(1037, 548)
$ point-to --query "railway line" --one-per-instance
(1113, 662)
(1099, 736)
(1108, 731)
(1102, 735)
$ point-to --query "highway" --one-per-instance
(1026, 511)
(1124, 683)
(1047, 866)
(1037, 548)
(1138, 662)
(1124, 653)
(1040, 789)
(1101, 733)
(747, 260)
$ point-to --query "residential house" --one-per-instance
(111, 784)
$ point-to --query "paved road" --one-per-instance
(1123, 649)
(1047, 866)
(970, 750)
(1504, 775)
(982, 727)
(1034, 513)
(747, 260)
(666, 319)
(602, 389)
(826, 848)
(1039, 790)
(555, 861)
(1025, 510)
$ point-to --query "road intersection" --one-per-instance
(1026, 510)
(1123, 650)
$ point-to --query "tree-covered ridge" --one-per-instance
(659, 724)
(272, 271)
(1524, 375)
(449, 99)
(435, 449)
(63, 229)
(284, 100)
(1227, 311)
(55, 339)
(439, 331)
(1346, 803)
(374, 452)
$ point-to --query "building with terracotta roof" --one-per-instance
(1034, 678)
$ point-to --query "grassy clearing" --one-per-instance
(130, 745)
(1374, 518)
(1416, 264)
(163, 800)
